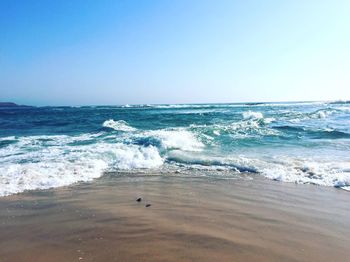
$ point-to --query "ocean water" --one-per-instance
(44, 147)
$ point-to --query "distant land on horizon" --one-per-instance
(11, 104)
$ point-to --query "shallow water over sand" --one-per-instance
(190, 219)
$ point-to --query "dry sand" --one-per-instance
(191, 219)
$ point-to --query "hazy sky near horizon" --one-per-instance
(183, 51)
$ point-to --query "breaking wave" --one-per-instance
(50, 147)
(252, 115)
(44, 162)
(119, 125)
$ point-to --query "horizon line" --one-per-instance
(195, 103)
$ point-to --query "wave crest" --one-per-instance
(177, 139)
(119, 125)
(252, 115)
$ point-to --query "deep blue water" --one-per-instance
(42, 147)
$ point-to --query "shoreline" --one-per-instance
(190, 219)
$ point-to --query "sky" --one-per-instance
(183, 51)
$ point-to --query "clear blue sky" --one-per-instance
(173, 51)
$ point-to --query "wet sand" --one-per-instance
(191, 219)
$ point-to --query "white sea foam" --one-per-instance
(252, 115)
(297, 117)
(249, 128)
(50, 161)
(321, 114)
(284, 169)
(123, 156)
(40, 162)
(240, 129)
(177, 139)
(17, 178)
(216, 132)
(269, 120)
(344, 109)
(119, 125)
(7, 138)
(304, 171)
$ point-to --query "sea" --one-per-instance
(48, 147)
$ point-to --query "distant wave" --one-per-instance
(119, 125)
(322, 113)
(252, 115)
(243, 129)
(314, 133)
(333, 134)
(340, 102)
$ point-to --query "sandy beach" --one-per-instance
(190, 219)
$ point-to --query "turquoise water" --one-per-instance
(44, 147)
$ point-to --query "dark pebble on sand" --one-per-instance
(139, 199)
(148, 205)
